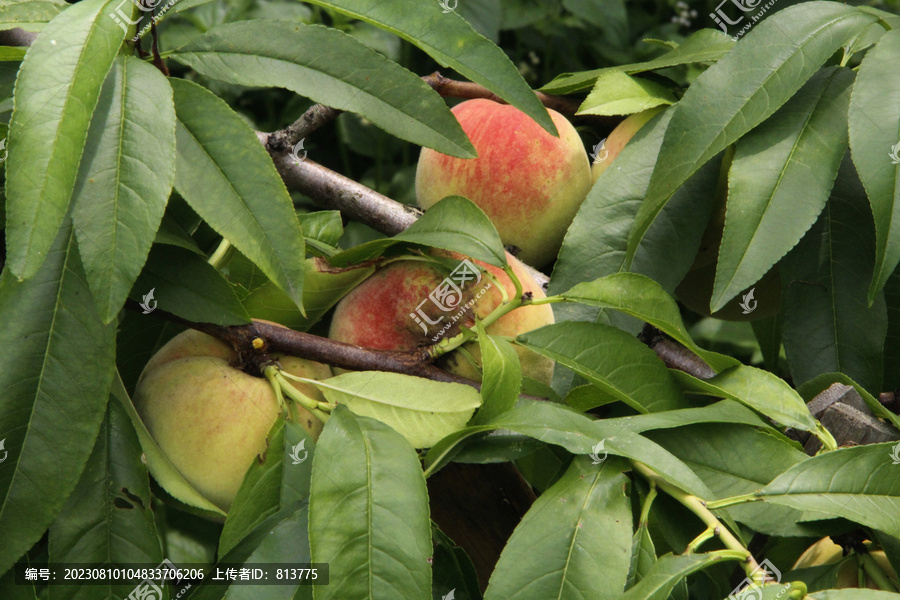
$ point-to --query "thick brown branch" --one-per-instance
(466, 89)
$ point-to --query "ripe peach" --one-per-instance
(209, 417)
(529, 183)
(392, 310)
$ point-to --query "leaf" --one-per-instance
(857, 483)
(272, 484)
(617, 93)
(643, 298)
(892, 339)
(724, 411)
(582, 526)
(421, 410)
(323, 287)
(735, 459)
(596, 242)
(55, 374)
(229, 179)
(667, 572)
(743, 89)
(452, 570)
(828, 323)
(643, 555)
(30, 15)
(616, 362)
(187, 286)
(455, 223)
(108, 518)
(368, 514)
(758, 389)
(705, 45)
(124, 180)
(780, 180)
(853, 595)
(330, 67)
(56, 91)
(559, 425)
(874, 118)
(450, 40)
(501, 375)
(176, 485)
(323, 226)
(281, 536)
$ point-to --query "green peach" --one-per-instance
(210, 418)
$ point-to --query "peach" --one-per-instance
(621, 135)
(529, 183)
(393, 310)
(210, 418)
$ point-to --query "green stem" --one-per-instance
(734, 500)
(221, 255)
(302, 399)
(271, 374)
(699, 508)
(707, 534)
(873, 570)
(648, 502)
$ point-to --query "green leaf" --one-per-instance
(874, 141)
(617, 93)
(643, 298)
(758, 389)
(643, 555)
(56, 91)
(108, 518)
(274, 483)
(780, 180)
(734, 460)
(422, 410)
(828, 322)
(187, 286)
(124, 180)
(176, 485)
(450, 40)
(323, 226)
(455, 223)
(574, 540)
(229, 179)
(368, 514)
(330, 67)
(615, 361)
(859, 483)
(30, 15)
(323, 287)
(501, 375)
(892, 339)
(12, 54)
(280, 538)
(559, 425)
(452, 569)
(667, 572)
(55, 374)
(724, 411)
(706, 45)
(742, 90)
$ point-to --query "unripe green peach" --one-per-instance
(528, 182)
(210, 418)
(392, 310)
(621, 135)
